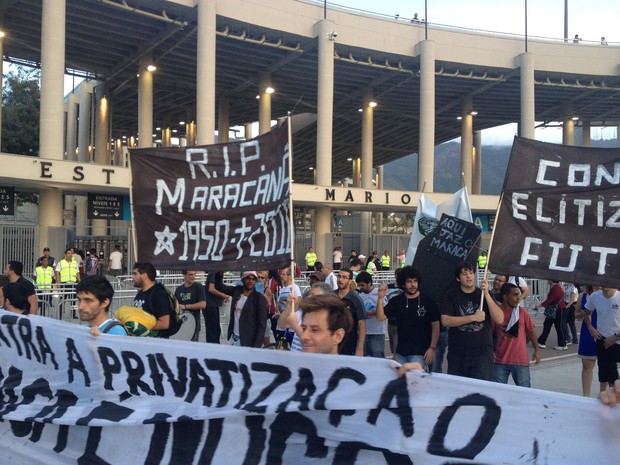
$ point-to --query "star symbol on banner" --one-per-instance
(165, 240)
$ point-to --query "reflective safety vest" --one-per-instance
(385, 261)
(68, 271)
(482, 261)
(45, 277)
(311, 258)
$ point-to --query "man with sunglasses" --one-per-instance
(248, 312)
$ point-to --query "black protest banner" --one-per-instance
(221, 207)
(559, 216)
(449, 243)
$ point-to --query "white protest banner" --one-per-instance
(221, 207)
(69, 397)
(428, 214)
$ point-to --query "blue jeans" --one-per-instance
(402, 359)
(520, 374)
(442, 345)
(374, 345)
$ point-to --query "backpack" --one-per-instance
(174, 311)
(112, 324)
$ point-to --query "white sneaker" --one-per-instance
(561, 348)
(569, 343)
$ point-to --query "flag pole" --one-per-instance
(133, 215)
(486, 266)
(290, 197)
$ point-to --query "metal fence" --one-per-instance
(18, 242)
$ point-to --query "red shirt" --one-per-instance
(511, 350)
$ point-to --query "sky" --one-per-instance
(591, 20)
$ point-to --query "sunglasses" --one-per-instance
(262, 277)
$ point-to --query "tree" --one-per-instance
(21, 97)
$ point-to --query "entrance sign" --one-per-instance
(221, 207)
(559, 216)
(105, 207)
(69, 397)
(7, 201)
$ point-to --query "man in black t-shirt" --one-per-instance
(151, 298)
(354, 343)
(13, 270)
(470, 339)
(416, 318)
(191, 297)
(215, 299)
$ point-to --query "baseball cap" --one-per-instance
(361, 256)
(249, 273)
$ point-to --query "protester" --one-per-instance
(151, 298)
(94, 297)
(248, 312)
(587, 343)
(498, 282)
(555, 300)
(4, 280)
(469, 326)
(15, 299)
(606, 302)
(191, 297)
(416, 318)
(288, 287)
(211, 312)
(13, 270)
(511, 354)
(568, 316)
(374, 343)
(354, 345)
(326, 322)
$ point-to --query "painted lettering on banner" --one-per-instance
(224, 205)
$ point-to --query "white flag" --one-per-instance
(428, 214)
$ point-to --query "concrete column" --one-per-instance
(118, 153)
(379, 215)
(356, 175)
(586, 137)
(52, 117)
(102, 153)
(367, 138)
(102, 129)
(367, 155)
(466, 143)
(426, 151)
(248, 131)
(191, 134)
(223, 124)
(325, 112)
(264, 102)
(528, 109)
(477, 164)
(205, 72)
(145, 103)
(72, 122)
(568, 125)
(166, 137)
(325, 102)
(84, 122)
